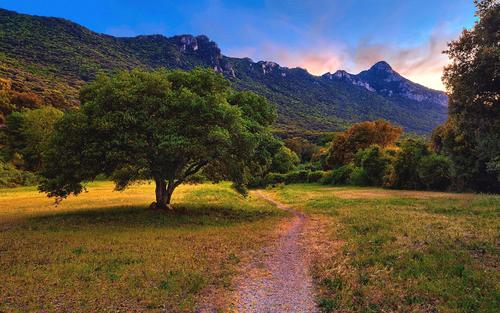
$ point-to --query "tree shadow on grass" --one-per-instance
(140, 216)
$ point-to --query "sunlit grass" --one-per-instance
(104, 251)
(404, 251)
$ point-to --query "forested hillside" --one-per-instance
(49, 59)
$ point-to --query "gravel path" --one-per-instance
(280, 282)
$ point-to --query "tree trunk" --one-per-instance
(163, 194)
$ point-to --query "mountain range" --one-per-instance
(54, 57)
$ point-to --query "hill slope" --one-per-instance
(53, 57)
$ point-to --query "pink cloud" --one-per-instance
(422, 63)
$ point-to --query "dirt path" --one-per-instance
(280, 282)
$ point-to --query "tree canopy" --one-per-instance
(28, 134)
(162, 125)
(361, 136)
(471, 135)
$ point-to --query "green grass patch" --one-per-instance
(405, 251)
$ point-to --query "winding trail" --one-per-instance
(280, 282)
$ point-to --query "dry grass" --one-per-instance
(403, 251)
(103, 251)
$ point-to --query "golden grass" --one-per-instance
(103, 251)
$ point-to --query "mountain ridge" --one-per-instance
(54, 57)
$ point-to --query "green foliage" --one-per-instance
(434, 172)
(284, 160)
(10, 176)
(360, 136)
(403, 173)
(297, 177)
(470, 136)
(28, 133)
(374, 164)
(161, 125)
(338, 176)
(302, 147)
(359, 177)
(275, 178)
(315, 176)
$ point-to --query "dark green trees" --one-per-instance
(163, 125)
(28, 134)
(471, 136)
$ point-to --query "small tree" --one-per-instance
(163, 125)
(284, 161)
(361, 136)
(302, 147)
(403, 173)
(28, 133)
(434, 172)
(374, 164)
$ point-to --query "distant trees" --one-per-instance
(284, 160)
(28, 133)
(12, 100)
(302, 147)
(470, 137)
(403, 173)
(361, 136)
(372, 163)
(161, 125)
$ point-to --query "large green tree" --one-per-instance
(162, 125)
(471, 136)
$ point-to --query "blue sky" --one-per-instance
(318, 35)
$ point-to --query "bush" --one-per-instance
(297, 177)
(338, 176)
(403, 173)
(274, 178)
(316, 176)
(434, 172)
(284, 160)
(13, 177)
(374, 163)
(360, 136)
(359, 177)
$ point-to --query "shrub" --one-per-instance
(284, 160)
(374, 163)
(361, 136)
(434, 172)
(403, 173)
(10, 176)
(359, 177)
(316, 176)
(274, 178)
(338, 176)
(297, 177)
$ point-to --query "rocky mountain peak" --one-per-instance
(381, 66)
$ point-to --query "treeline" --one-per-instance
(367, 154)
(26, 123)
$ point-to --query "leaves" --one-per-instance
(161, 125)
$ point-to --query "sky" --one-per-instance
(318, 35)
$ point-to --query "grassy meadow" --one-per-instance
(104, 251)
(403, 251)
(380, 251)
